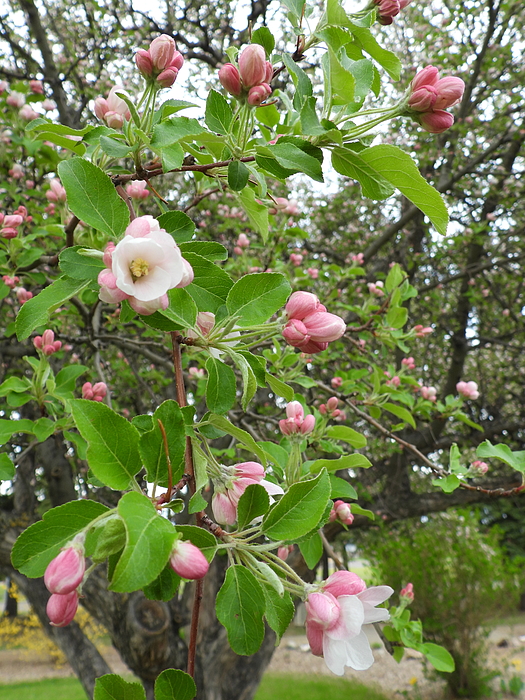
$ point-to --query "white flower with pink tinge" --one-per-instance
(143, 267)
(230, 486)
(335, 616)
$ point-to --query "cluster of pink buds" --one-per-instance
(57, 192)
(468, 390)
(409, 362)
(407, 593)
(9, 224)
(114, 110)
(376, 288)
(284, 551)
(242, 242)
(359, 258)
(196, 373)
(17, 171)
(313, 273)
(137, 190)
(395, 381)
(430, 96)
(310, 327)
(388, 9)
(422, 331)
(296, 423)
(296, 259)
(27, 113)
(251, 81)
(330, 408)
(478, 468)
(46, 343)
(63, 576)
(285, 206)
(161, 63)
(94, 392)
(429, 393)
(36, 87)
(342, 512)
(16, 99)
(188, 561)
(230, 486)
(23, 295)
(11, 282)
(336, 382)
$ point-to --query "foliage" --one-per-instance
(461, 581)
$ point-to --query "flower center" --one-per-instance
(138, 268)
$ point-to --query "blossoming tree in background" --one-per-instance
(188, 488)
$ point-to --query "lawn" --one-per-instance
(272, 686)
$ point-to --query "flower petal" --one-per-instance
(358, 653)
(375, 594)
(352, 617)
(335, 654)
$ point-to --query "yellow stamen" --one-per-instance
(138, 268)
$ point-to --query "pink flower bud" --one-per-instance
(144, 63)
(344, 583)
(407, 592)
(48, 105)
(205, 322)
(230, 79)
(28, 113)
(324, 327)
(258, 94)
(16, 99)
(478, 468)
(296, 259)
(421, 331)
(13, 220)
(57, 193)
(243, 241)
(137, 190)
(114, 120)
(427, 76)
(252, 470)
(342, 512)
(387, 10)
(295, 333)
(336, 382)
(17, 171)
(23, 295)
(252, 65)
(436, 122)
(11, 282)
(302, 304)
(101, 108)
(449, 92)
(108, 252)
(322, 610)
(161, 51)
(188, 561)
(36, 87)
(61, 609)
(224, 511)
(332, 403)
(65, 572)
(9, 233)
(237, 250)
(167, 77)
(283, 552)
(313, 273)
(469, 390)
(429, 393)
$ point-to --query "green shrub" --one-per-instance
(461, 580)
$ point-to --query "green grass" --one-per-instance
(272, 686)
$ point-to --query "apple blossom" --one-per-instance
(429, 393)
(296, 422)
(145, 264)
(57, 192)
(94, 392)
(36, 87)
(188, 561)
(342, 512)
(252, 65)
(468, 390)
(137, 190)
(113, 110)
(16, 99)
(478, 468)
(11, 282)
(230, 79)
(61, 609)
(48, 345)
(243, 241)
(407, 592)
(422, 331)
(162, 62)
(23, 295)
(310, 327)
(335, 617)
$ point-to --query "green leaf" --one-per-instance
(256, 297)
(249, 382)
(396, 317)
(113, 687)
(172, 106)
(240, 607)
(115, 147)
(516, 460)
(152, 448)
(164, 586)
(253, 503)
(342, 432)
(279, 387)
(293, 158)
(447, 484)
(65, 381)
(43, 428)
(79, 267)
(220, 387)
(238, 175)
(149, 541)
(208, 249)
(174, 684)
(387, 59)
(182, 309)
(312, 550)
(280, 610)
(357, 510)
(354, 461)
(257, 213)
(264, 37)
(241, 435)
(172, 157)
(394, 278)
(210, 285)
(303, 84)
(92, 197)
(347, 162)
(295, 7)
(299, 510)
(219, 114)
(399, 169)
(178, 224)
(42, 542)
(400, 412)
(342, 80)
(438, 656)
(173, 130)
(341, 488)
(7, 468)
(113, 452)
(37, 310)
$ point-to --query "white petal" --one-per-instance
(271, 488)
(358, 653)
(375, 594)
(335, 655)
(375, 614)
(352, 615)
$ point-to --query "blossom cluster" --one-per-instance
(310, 327)
(161, 63)
(232, 483)
(431, 95)
(62, 577)
(251, 81)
